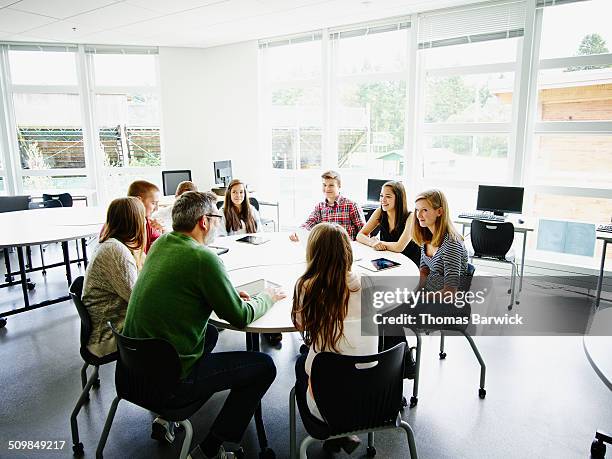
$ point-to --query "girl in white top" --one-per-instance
(239, 216)
(327, 301)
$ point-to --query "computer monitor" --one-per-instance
(374, 187)
(171, 180)
(500, 199)
(223, 172)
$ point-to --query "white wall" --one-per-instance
(210, 111)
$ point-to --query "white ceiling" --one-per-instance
(192, 23)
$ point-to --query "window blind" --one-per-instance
(473, 23)
(544, 3)
(102, 49)
(291, 40)
(358, 30)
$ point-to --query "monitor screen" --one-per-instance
(223, 172)
(374, 187)
(171, 180)
(500, 199)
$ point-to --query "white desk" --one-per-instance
(522, 228)
(42, 226)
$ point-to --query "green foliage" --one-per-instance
(592, 43)
(287, 96)
(447, 97)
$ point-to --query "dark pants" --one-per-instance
(248, 375)
(314, 426)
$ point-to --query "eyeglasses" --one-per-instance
(214, 215)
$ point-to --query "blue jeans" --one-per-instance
(248, 375)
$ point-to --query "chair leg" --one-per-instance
(77, 446)
(304, 446)
(411, 443)
(370, 439)
(188, 437)
(442, 354)
(292, 426)
(417, 371)
(512, 286)
(84, 375)
(76, 242)
(107, 427)
(483, 368)
(42, 260)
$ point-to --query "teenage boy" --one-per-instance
(149, 194)
(334, 209)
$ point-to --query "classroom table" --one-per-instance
(282, 261)
(44, 226)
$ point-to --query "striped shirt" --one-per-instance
(343, 211)
(447, 267)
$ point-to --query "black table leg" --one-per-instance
(24, 280)
(7, 263)
(84, 249)
(67, 262)
(252, 344)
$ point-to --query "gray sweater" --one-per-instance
(109, 279)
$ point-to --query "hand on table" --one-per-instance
(275, 293)
(244, 295)
(294, 237)
(380, 246)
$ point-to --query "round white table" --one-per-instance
(43, 226)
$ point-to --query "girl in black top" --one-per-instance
(392, 217)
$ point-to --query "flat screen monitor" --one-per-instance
(171, 180)
(500, 199)
(223, 172)
(374, 187)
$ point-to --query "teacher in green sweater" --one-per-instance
(181, 284)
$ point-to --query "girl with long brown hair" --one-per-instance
(393, 219)
(326, 310)
(239, 216)
(112, 271)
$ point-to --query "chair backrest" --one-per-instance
(14, 203)
(45, 204)
(219, 204)
(491, 239)
(147, 371)
(354, 397)
(254, 202)
(64, 198)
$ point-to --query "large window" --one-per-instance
(81, 128)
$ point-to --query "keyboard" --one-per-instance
(482, 216)
(606, 228)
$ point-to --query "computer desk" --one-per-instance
(522, 228)
(283, 261)
(606, 238)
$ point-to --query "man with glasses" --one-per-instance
(181, 284)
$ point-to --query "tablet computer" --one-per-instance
(380, 264)
(257, 286)
(218, 250)
(256, 240)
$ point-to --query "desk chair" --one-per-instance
(460, 329)
(43, 205)
(493, 241)
(76, 293)
(264, 221)
(352, 399)
(14, 204)
(147, 372)
(66, 201)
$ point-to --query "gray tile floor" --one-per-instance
(543, 398)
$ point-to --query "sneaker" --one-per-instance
(348, 444)
(274, 338)
(409, 363)
(162, 430)
(197, 453)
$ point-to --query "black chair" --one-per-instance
(353, 398)
(493, 241)
(14, 203)
(64, 198)
(76, 293)
(466, 310)
(264, 221)
(44, 204)
(147, 372)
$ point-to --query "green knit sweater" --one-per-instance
(180, 285)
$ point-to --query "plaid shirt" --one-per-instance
(343, 211)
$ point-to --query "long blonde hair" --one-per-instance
(444, 225)
(321, 295)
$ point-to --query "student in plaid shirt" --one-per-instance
(335, 209)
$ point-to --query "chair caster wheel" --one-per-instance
(77, 449)
(517, 302)
(31, 285)
(2, 322)
(96, 383)
(482, 393)
(442, 355)
(267, 453)
(371, 451)
(404, 402)
(510, 308)
(44, 273)
(509, 291)
(413, 401)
